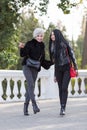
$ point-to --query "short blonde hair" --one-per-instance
(38, 31)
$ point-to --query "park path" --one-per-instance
(12, 118)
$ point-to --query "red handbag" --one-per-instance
(73, 73)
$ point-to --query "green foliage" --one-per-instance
(13, 30)
(9, 35)
(8, 55)
(8, 60)
(43, 6)
(26, 27)
(66, 5)
(8, 18)
(79, 51)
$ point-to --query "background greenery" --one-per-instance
(17, 27)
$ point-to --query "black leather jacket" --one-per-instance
(64, 55)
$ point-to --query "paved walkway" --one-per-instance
(12, 118)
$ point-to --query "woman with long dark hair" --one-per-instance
(62, 55)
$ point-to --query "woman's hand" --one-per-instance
(55, 79)
(76, 73)
(21, 45)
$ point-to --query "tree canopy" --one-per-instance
(9, 14)
(9, 19)
(66, 5)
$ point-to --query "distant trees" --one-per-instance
(82, 46)
(9, 31)
(84, 54)
(15, 28)
(66, 5)
(9, 14)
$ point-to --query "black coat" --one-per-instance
(63, 55)
(36, 51)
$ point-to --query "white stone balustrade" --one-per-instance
(49, 89)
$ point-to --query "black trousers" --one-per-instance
(63, 79)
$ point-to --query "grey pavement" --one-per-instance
(12, 118)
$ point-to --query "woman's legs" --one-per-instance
(63, 78)
(30, 75)
(35, 107)
(65, 83)
(59, 80)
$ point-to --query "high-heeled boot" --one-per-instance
(26, 109)
(35, 107)
(62, 110)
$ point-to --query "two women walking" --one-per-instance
(61, 55)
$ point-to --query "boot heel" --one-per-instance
(35, 108)
(35, 111)
(26, 109)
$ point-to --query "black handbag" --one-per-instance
(33, 63)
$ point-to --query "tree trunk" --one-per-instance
(84, 56)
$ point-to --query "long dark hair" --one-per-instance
(59, 38)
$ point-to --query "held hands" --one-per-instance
(76, 73)
(21, 45)
(55, 79)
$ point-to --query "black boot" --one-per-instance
(35, 107)
(62, 110)
(26, 109)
